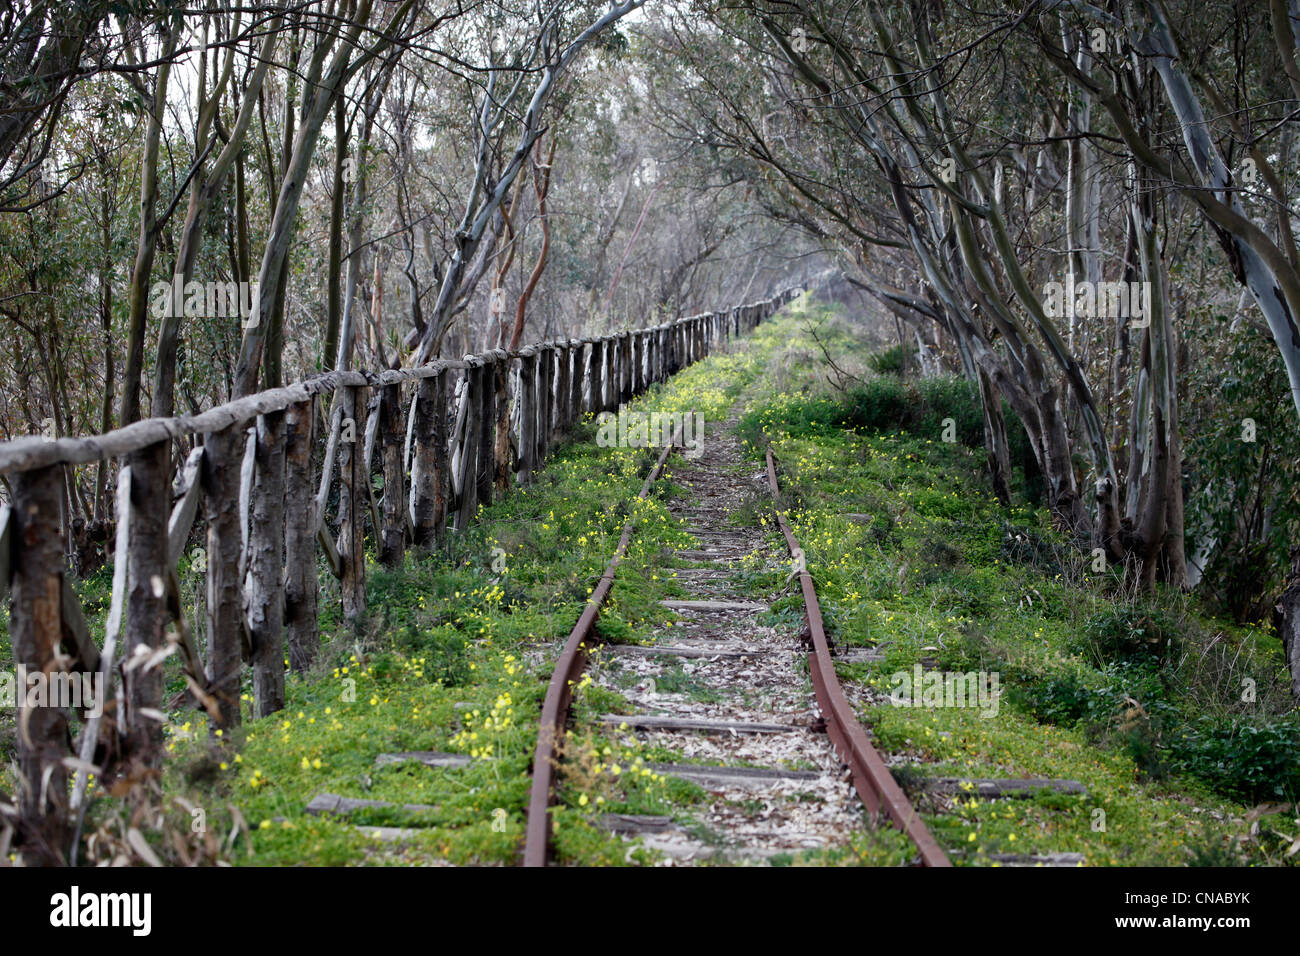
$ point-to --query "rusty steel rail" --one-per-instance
(871, 778)
(559, 693)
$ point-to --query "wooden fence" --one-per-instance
(443, 436)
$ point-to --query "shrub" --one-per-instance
(1128, 632)
(880, 404)
(955, 398)
(1062, 699)
(1252, 760)
(888, 362)
(443, 649)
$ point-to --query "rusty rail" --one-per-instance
(871, 778)
(559, 693)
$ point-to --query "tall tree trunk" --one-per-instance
(147, 243)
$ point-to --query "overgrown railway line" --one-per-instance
(772, 759)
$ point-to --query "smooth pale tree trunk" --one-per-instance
(203, 189)
(995, 439)
(334, 308)
(322, 86)
(147, 243)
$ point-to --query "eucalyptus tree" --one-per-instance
(975, 201)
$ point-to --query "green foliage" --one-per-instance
(444, 651)
(1245, 497)
(1255, 760)
(890, 361)
(1063, 698)
(1127, 632)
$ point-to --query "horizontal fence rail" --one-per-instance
(445, 437)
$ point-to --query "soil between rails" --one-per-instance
(738, 686)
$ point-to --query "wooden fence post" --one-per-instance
(501, 438)
(526, 401)
(352, 501)
(146, 612)
(485, 469)
(545, 401)
(563, 355)
(430, 463)
(301, 581)
(642, 344)
(223, 451)
(596, 376)
(36, 627)
(630, 374)
(611, 373)
(576, 349)
(392, 539)
(263, 591)
(468, 502)
(624, 367)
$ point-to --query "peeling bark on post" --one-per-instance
(501, 428)
(468, 503)
(146, 611)
(545, 401)
(223, 452)
(527, 399)
(613, 373)
(352, 502)
(429, 467)
(301, 584)
(575, 380)
(263, 588)
(638, 367)
(596, 377)
(36, 627)
(485, 470)
(562, 358)
(392, 547)
(625, 367)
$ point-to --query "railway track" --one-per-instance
(772, 759)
